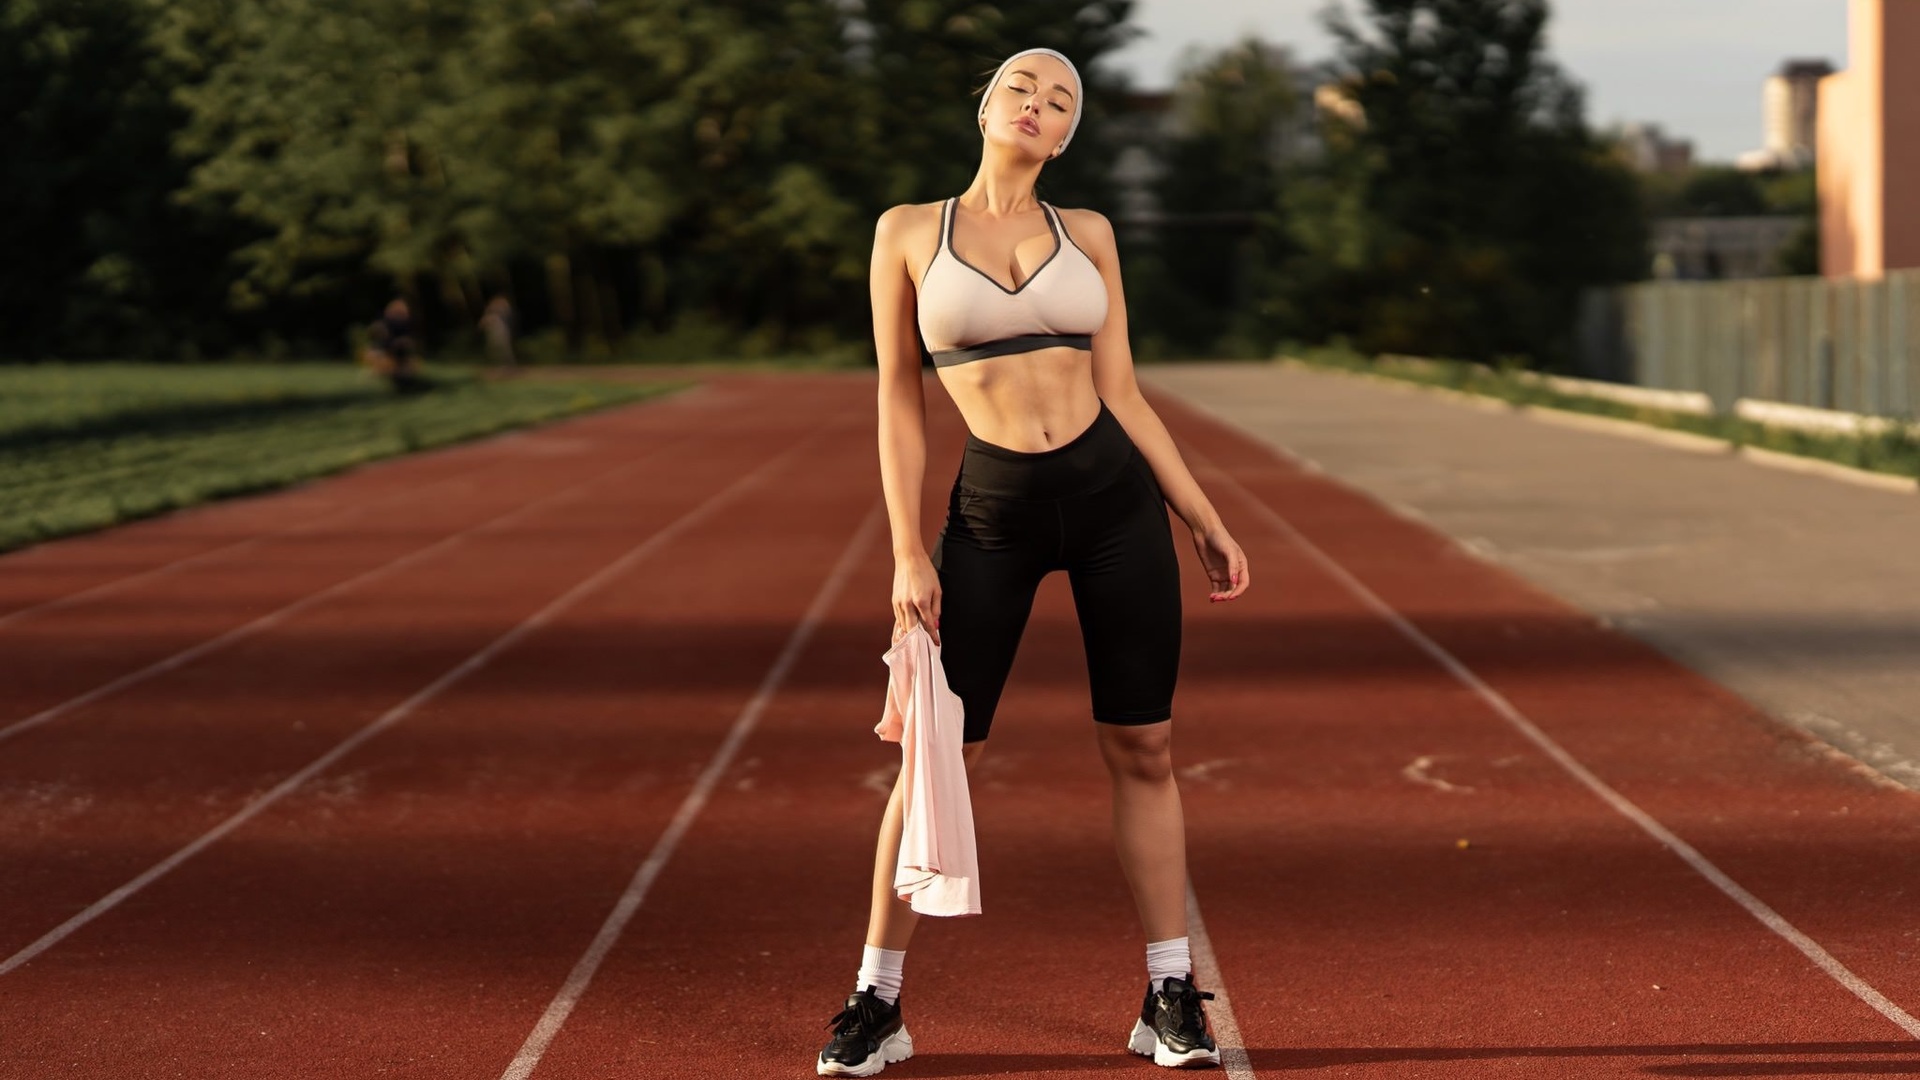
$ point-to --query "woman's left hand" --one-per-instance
(1225, 563)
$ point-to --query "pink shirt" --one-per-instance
(939, 868)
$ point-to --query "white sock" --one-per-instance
(880, 969)
(1168, 959)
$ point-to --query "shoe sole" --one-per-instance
(892, 1050)
(1144, 1042)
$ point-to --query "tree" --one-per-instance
(617, 164)
(439, 144)
(1208, 281)
(1721, 191)
(99, 259)
(308, 129)
(1463, 203)
(650, 159)
(926, 61)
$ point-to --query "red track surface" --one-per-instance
(414, 908)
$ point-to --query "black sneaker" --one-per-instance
(868, 1036)
(1172, 1029)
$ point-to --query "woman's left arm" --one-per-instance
(1114, 381)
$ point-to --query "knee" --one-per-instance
(1143, 753)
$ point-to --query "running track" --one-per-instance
(551, 756)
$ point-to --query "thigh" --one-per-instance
(990, 556)
(1126, 588)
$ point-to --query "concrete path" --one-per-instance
(1801, 593)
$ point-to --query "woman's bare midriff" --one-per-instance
(1028, 401)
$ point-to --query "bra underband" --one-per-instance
(1009, 345)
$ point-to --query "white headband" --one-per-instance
(1079, 88)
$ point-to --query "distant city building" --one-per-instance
(1793, 107)
(1791, 103)
(1869, 142)
(1646, 148)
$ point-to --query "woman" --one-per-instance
(1066, 467)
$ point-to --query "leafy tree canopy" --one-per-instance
(1463, 203)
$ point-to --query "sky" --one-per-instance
(1695, 67)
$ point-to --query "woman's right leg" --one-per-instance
(890, 923)
(991, 556)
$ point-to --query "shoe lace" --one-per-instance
(1189, 1016)
(855, 1018)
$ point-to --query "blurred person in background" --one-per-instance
(499, 325)
(391, 349)
(1066, 467)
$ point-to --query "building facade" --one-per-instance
(1869, 145)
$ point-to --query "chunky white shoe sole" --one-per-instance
(895, 1048)
(1146, 1044)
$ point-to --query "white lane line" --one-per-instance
(589, 963)
(107, 588)
(334, 517)
(274, 618)
(1753, 905)
(1226, 1030)
(399, 712)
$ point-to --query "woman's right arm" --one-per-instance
(903, 421)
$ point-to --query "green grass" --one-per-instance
(1896, 452)
(83, 447)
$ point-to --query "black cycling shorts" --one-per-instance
(1090, 507)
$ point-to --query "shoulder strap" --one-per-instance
(947, 213)
(1061, 223)
(940, 241)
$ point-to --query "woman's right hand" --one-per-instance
(916, 595)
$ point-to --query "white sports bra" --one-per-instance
(967, 315)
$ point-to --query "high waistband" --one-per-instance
(1083, 464)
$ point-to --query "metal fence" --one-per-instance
(1841, 344)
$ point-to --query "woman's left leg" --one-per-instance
(1149, 830)
(1126, 587)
